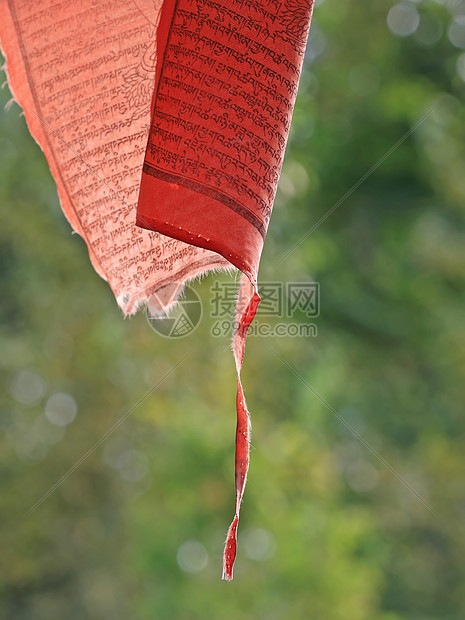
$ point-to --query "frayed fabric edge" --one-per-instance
(130, 305)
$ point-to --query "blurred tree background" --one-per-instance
(355, 503)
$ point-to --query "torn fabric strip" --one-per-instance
(205, 89)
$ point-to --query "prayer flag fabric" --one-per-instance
(164, 124)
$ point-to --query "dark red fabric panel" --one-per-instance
(222, 111)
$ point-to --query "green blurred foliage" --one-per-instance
(332, 526)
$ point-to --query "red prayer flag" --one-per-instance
(206, 88)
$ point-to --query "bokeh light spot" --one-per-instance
(61, 409)
(27, 387)
(429, 31)
(133, 465)
(403, 20)
(259, 545)
(456, 32)
(192, 557)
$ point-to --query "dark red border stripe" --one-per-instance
(207, 191)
